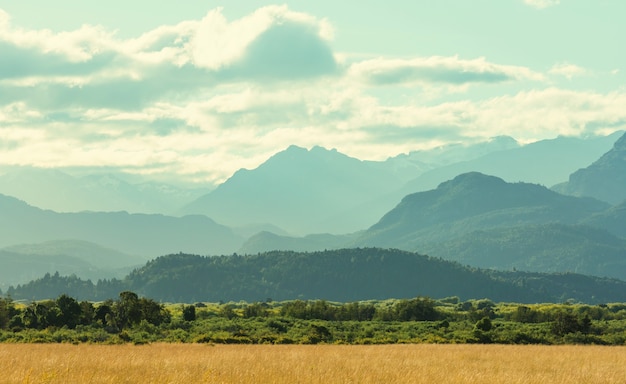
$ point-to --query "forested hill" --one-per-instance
(338, 275)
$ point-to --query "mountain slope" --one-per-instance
(297, 190)
(605, 179)
(612, 220)
(137, 234)
(470, 202)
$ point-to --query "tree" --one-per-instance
(127, 310)
(418, 309)
(87, 313)
(525, 314)
(189, 312)
(484, 324)
(564, 323)
(254, 310)
(153, 312)
(70, 311)
(105, 309)
(227, 311)
(6, 309)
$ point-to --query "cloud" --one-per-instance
(240, 126)
(437, 69)
(567, 70)
(203, 98)
(542, 4)
(91, 67)
(285, 51)
(272, 43)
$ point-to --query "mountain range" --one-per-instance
(484, 221)
(339, 194)
(332, 201)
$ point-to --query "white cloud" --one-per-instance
(567, 70)
(83, 64)
(436, 69)
(542, 4)
(229, 130)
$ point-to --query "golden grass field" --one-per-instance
(201, 363)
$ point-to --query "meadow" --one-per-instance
(207, 363)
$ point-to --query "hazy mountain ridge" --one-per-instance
(297, 190)
(25, 262)
(605, 179)
(59, 191)
(340, 194)
(147, 235)
(545, 162)
(267, 241)
(408, 166)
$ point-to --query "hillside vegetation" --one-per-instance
(340, 275)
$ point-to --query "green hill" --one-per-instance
(339, 275)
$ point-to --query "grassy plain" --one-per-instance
(202, 363)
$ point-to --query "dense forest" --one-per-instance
(338, 275)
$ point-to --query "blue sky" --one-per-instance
(195, 90)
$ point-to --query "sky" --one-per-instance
(192, 91)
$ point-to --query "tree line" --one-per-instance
(131, 318)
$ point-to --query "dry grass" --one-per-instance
(195, 363)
